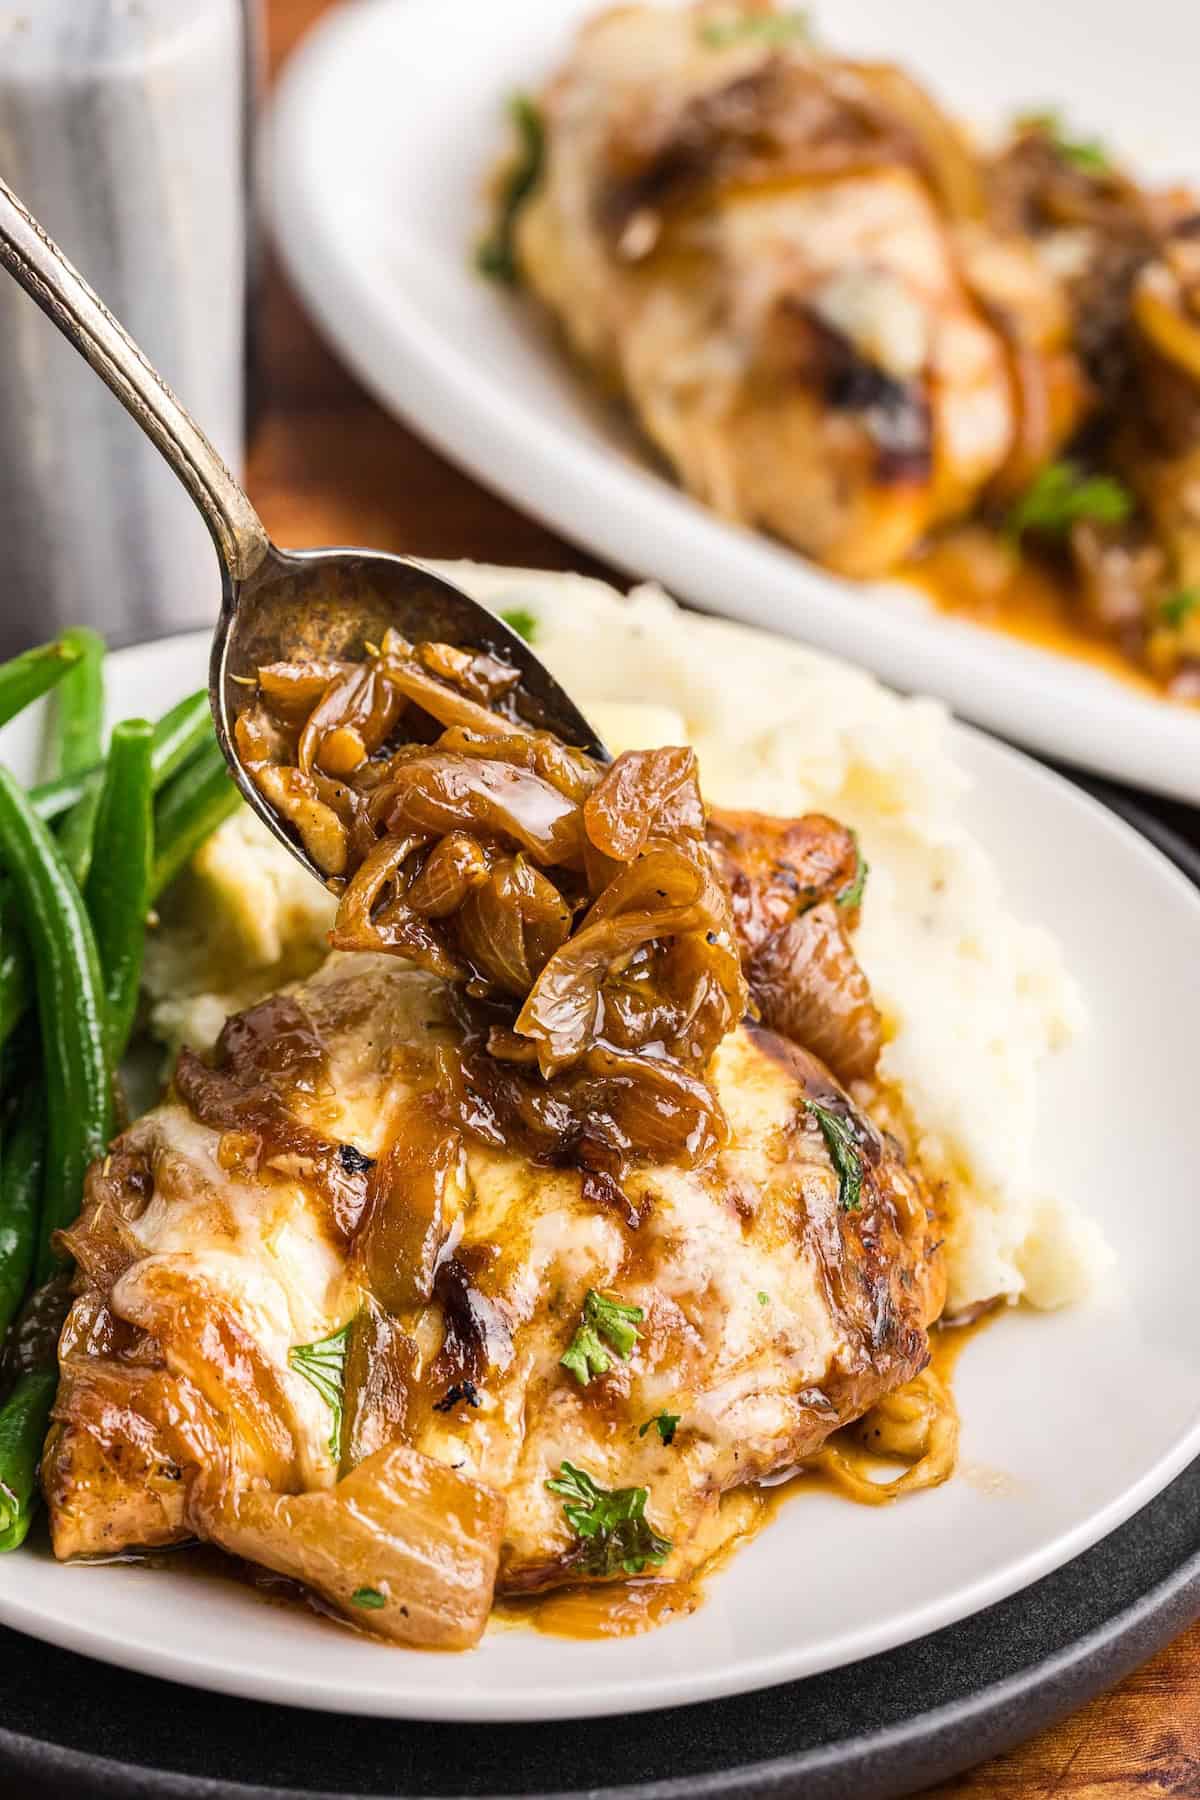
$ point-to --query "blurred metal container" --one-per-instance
(123, 126)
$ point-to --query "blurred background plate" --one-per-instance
(377, 177)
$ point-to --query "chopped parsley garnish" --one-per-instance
(844, 1153)
(762, 1298)
(603, 1317)
(1061, 494)
(1086, 154)
(1179, 606)
(761, 28)
(522, 621)
(496, 255)
(614, 1534)
(666, 1423)
(851, 895)
(323, 1366)
(369, 1598)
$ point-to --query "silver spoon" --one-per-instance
(276, 605)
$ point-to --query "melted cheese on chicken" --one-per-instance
(735, 232)
(247, 1217)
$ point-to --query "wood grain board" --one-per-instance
(327, 466)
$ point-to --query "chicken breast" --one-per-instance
(320, 1321)
(753, 243)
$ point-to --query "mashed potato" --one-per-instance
(244, 918)
(973, 999)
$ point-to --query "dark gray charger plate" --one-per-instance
(875, 1730)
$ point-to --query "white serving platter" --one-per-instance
(385, 123)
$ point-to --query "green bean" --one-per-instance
(178, 735)
(188, 810)
(118, 885)
(15, 987)
(21, 1174)
(19, 1057)
(71, 1009)
(23, 1422)
(25, 678)
(80, 705)
(79, 746)
(76, 833)
(51, 799)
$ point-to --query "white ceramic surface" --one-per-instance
(385, 123)
(1071, 1421)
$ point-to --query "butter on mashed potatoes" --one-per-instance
(242, 919)
(973, 999)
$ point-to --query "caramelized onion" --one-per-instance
(810, 988)
(512, 924)
(293, 689)
(450, 871)
(585, 911)
(917, 1424)
(295, 797)
(570, 771)
(1162, 314)
(484, 678)
(413, 1197)
(645, 792)
(947, 160)
(357, 704)
(666, 893)
(443, 700)
(375, 913)
(445, 791)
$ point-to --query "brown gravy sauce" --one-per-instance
(947, 1341)
(1016, 596)
(625, 1609)
(616, 1609)
(620, 1609)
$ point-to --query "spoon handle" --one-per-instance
(36, 262)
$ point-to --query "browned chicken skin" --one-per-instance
(322, 1172)
(754, 241)
(772, 1314)
(840, 320)
(388, 1292)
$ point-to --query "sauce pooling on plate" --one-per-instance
(626, 1609)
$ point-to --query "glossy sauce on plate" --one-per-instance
(625, 1609)
(618, 1609)
(1022, 598)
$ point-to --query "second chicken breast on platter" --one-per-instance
(767, 251)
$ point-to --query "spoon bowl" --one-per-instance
(277, 605)
(301, 604)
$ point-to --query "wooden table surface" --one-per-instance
(327, 466)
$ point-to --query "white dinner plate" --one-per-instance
(385, 123)
(1071, 1421)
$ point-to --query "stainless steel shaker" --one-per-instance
(123, 126)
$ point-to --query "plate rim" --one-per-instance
(996, 1716)
(749, 1673)
(427, 379)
